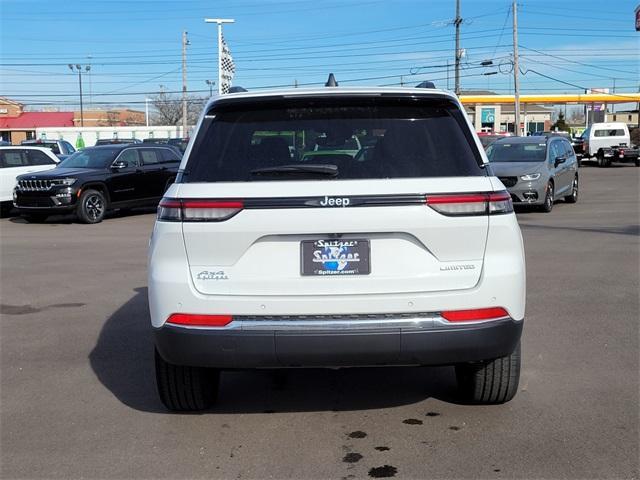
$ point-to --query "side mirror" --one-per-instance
(560, 160)
(119, 165)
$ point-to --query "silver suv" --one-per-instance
(265, 256)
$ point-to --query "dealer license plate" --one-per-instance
(335, 257)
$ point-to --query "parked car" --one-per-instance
(179, 143)
(487, 139)
(547, 133)
(609, 142)
(536, 170)
(15, 161)
(97, 179)
(410, 255)
(61, 148)
(116, 141)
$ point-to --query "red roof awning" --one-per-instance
(31, 120)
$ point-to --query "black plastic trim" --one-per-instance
(242, 349)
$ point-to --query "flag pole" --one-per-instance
(219, 58)
(219, 21)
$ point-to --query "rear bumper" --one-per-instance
(423, 343)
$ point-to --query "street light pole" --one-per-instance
(219, 21)
(211, 84)
(78, 67)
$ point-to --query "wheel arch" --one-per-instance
(101, 187)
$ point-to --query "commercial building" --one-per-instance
(17, 125)
(501, 117)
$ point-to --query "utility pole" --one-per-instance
(185, 42)
(516, 68)
(457, 23)
(219, 22)
(78, 67)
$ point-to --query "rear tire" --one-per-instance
(490, 382)
(186, 389)
(547, 206)
(603, 162)
(573, 198)
(638, 162)
(92, 206)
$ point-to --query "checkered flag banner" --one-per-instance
(227, 66)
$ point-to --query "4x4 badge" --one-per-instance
(206, 275)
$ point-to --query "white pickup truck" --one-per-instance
(609, 142)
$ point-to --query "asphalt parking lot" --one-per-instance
(78, 391)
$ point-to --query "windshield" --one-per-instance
(517, 152)
(90, 158)
(406, 139)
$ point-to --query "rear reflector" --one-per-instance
(177, 210)
(465, 204)
(474, 315)
(197, 320)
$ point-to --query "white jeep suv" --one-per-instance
(407, 253)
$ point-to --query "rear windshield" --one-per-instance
(362, 138)
(517, 152)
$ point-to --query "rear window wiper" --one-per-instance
(329, 170)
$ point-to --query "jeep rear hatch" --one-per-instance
(408, 212)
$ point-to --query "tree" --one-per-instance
(168, 109)
(560, 123)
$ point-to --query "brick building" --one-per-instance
(17, 125)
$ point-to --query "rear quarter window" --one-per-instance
(613, 132)
(404, 138)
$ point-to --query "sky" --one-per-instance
(134, 46)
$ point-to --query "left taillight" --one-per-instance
(469, 204)
(199, 320)
(197, 210)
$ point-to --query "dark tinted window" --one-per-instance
(408, 138)
(91, 158)
(517, 152)
(13, 158)
(130, 156)
(169, 155)
(150, 157)
(39, 158)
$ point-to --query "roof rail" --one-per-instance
(426, 84)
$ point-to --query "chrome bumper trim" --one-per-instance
(420, 321)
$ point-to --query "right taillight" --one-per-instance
(197, 210)
(466, 204)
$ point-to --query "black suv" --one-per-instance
(96, 179)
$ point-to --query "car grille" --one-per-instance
(509, 181)
(34, 202)
(34, 185)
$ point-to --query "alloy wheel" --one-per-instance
(94, 206)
